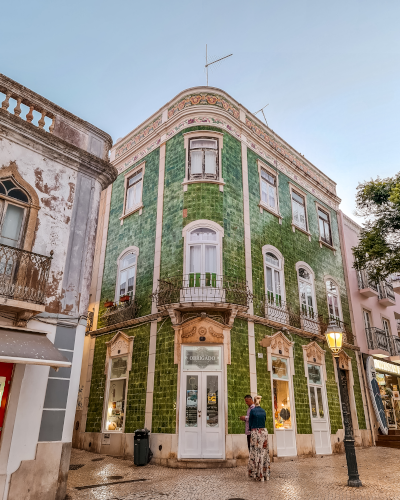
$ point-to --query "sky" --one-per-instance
(328, 70)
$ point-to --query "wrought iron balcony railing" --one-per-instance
(305, 319)
(197, 287)
(120, 312)
(395, 345)
(386, 291)
(365, 282)
(23, 274)
(377, 339)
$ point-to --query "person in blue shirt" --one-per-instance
(259, 460)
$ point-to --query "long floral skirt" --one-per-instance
(259, 461)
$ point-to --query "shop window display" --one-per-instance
(282, 410)
(116, 394)
(389, 389)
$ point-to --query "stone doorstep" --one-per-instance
(174, 463)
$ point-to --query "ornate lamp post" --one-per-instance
(334, 337)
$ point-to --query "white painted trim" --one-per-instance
(213, 135)
(331, 278)
(131, 249)
(301, 192)
(262, 204)
(202, 223)
(32, 361)
(299, 264)
(127, 175)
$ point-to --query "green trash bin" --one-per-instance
(141, 449)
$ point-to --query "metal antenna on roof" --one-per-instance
(213, 62)
(262, 111)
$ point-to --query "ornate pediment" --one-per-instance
(201, 329)
(344, 361)
(278, 343)
(120, 344)
(314, 353)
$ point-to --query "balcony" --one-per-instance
(119, 312)
(23, 281)
(196, 288)
(386, 294)
(395, 280)
(305, 319)
(395, 346)
(378, 340)
(366, 286)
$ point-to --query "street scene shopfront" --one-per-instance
(388, 378)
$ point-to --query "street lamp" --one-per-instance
(334, 338)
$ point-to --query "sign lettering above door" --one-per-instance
(202, 358)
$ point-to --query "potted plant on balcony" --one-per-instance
(125, 298)
(108, 303)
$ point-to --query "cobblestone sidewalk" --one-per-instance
(304, 479)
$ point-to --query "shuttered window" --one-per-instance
(299, 210)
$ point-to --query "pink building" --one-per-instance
(375, 317)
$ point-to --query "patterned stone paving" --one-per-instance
(303, 479)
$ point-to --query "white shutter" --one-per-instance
(196, 160)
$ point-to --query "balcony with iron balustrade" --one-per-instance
(387, 296)
(23, 281)
(305, 319)
(395, 348)
(205, 292)
(378, 341)
(366, 286)
(123, 310)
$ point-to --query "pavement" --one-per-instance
(316, 478)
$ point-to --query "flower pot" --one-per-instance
(125, 298)
(108, 304)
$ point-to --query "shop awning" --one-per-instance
(29, 347)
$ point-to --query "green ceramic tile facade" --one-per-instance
(238, 376)
(136, 396)
(263, 375)
(137, 230)
(332, 391)
(165, 381)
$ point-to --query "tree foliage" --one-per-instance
(379, 248)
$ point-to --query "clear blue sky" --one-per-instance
(329, 70)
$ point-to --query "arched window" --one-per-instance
(203, 251)
(305, 278)
(126, 280)
(14, 202)
(333, 298)
(273, 276)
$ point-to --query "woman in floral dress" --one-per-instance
(259, 461)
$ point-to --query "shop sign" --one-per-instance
(202, 358)
(386, 367)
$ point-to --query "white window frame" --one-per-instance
(384, 318)
(107, 393)
(202, 134)
(131, 249)
(262, 204)
(303, 194)
(312, 276)
(328, 213)
(271, 249)
(139, 206)
(186, 242)
(330, 278)
(3, 210)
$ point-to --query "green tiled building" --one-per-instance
(217, 270)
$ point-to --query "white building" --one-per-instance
(53, 167)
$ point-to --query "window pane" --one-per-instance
(195, 256)
(297, 198)
(313, 402)
(122, 282)
(323, 215)
(304, 274)
(269, 280)
(196, 162)
(314, 374)
(137, 193)
(135, 178)
(336, 307)
(12, 225)
(282, 414)
(268, 177)
(279, 368)
(210, 162)
(330, 286)
(203, 143)
(302, 217)
(129, 260)
(119, 367)
(264, 191)
(270, 257)
(192, 387)
(211, 259)
(212, 401)
(321, 228)
(116, 405)
(330, 305)
(18, 194)
(131, 278)
(129, 198)
(367, 320)
(271, 197)
(320, 403)
(277, 283)
(203, 234)
(295, 212)
(327, 232)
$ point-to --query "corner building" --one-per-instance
(218, 265)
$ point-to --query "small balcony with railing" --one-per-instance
(125, 309)
(366, 286)
(305, 318)
(207, 290)
(395, 281)
(387, 296)
(23, 281)
(378, 341)
(395, 348)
